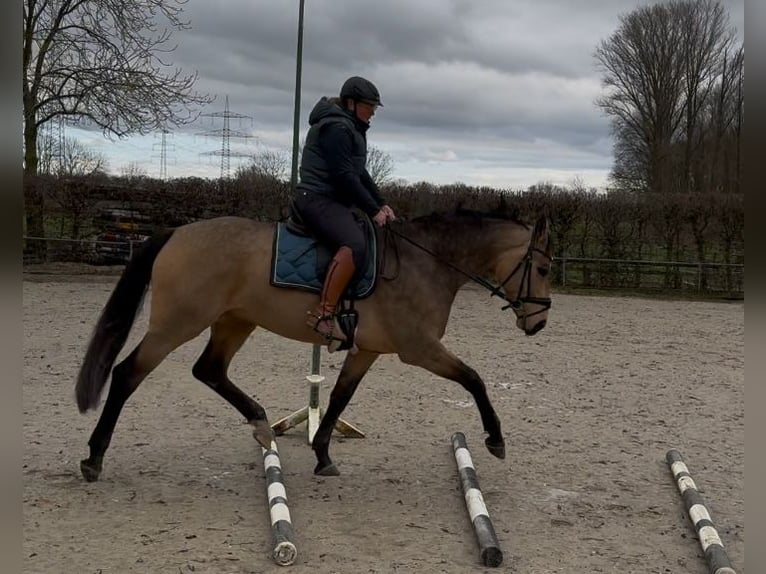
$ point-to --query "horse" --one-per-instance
(215, 273)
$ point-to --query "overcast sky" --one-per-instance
(487, 92)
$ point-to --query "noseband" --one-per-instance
(497, 290)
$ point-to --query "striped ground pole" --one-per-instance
(282, 528)
(715, 553)
(491, 555)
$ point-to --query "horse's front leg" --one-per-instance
(440, 361)
(354, 368)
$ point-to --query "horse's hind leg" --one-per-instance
(227, 336)
(441, 362)
(126, 377)
(354, 368)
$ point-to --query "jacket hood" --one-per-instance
(330, 107)
(325, 108)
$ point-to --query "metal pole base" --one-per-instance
(312, 414)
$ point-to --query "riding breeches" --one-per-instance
(333, 224)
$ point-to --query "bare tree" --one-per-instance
(267, 163)
(631, 158)
(661, 69)
(706, 39)
(263, 185)
(69, 157)
(643, 76)
(380, 165)
(721, 125)
(739, 74)
(79, 159)
(133, 172)
(47, 154)
(102, 60)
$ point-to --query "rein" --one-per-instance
(496, 290)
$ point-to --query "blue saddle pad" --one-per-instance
(301, 262)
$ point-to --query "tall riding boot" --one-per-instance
(322, 319)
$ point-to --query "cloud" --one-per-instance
(490, 91)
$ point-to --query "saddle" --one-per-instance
(300, 261)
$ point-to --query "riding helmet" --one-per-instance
(360, 89)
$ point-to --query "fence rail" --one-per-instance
(571, 272)
(91, 251)
(638, 274)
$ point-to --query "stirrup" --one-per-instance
(318, 319)
(336, 343)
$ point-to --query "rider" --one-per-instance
(334, 178)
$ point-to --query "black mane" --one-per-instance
(470, 216)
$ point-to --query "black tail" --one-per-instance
(115, 322)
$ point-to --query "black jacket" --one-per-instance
(335, 157)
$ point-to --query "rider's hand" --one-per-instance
(390, 216)
(380, 218)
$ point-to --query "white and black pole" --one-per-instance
(715, 553)
(284, 552)
(491, 555)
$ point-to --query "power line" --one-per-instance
(226, 133)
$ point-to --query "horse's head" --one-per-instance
(524, 274)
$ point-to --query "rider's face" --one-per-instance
(365, 111)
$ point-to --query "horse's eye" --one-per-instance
(543, 271)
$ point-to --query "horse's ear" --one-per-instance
(542, 229)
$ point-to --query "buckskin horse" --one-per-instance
(216, 273)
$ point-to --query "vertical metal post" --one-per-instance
(314, 379)
(563, 271)
(297, 109)
(315, 359)
(310, 413)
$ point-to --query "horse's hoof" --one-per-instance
(329, 470)
(90, 472)
(495, 448)
(263, 433)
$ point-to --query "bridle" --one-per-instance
(526, 277)
(497, 290)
